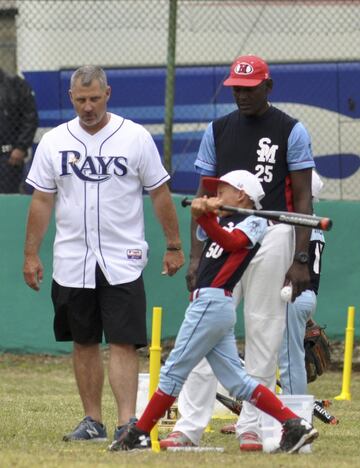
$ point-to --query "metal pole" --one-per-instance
(170, 86)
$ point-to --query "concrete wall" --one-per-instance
(26, 316)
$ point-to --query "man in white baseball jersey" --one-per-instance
(94, 169)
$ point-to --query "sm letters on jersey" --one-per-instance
(267, 158)
(93, 168)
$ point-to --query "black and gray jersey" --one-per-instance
(259, 145)
(316, 248)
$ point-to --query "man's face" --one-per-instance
(252, 101)
(90, 104)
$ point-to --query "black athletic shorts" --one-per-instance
(83, 315)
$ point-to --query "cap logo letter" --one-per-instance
(243, 68)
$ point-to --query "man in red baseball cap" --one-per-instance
(276, 148)
(251, 83)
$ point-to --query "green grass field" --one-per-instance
(39, 403)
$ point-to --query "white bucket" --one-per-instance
(302, 405)
(143, 394)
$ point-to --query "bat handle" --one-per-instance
(185, 202)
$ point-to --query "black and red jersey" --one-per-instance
(221, 269)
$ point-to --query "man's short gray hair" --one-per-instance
(87, 74)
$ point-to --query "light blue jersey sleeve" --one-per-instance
(300, 155)
(254, 227)
(205, 163)
(201, 234)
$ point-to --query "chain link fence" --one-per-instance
(312, 48)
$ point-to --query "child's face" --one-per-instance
(228, 194)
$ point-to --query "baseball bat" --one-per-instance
(319, 411)
(295, 219)
(233, 405)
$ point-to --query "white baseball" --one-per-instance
(286, 293)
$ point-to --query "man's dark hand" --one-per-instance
(298, 275)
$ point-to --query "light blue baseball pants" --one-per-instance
(208, 331)
(292, 353)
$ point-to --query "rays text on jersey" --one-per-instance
(92, 168)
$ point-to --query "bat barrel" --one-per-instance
(299, 219)
(325, 224)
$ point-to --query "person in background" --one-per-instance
(293, 377)
(18, 124)
(292, 370)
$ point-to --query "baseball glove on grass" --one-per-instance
(317, 350)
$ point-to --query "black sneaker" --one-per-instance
(88, 429)
(120, 429)
(131, 439)
(297, 432)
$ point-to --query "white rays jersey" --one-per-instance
(98, 180)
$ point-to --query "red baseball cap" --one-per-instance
(247, 70)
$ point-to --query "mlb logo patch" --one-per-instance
(134, 254)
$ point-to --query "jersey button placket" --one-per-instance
(92, 218)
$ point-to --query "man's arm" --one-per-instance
(38, 221)
(298, 274)
(166, 213)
